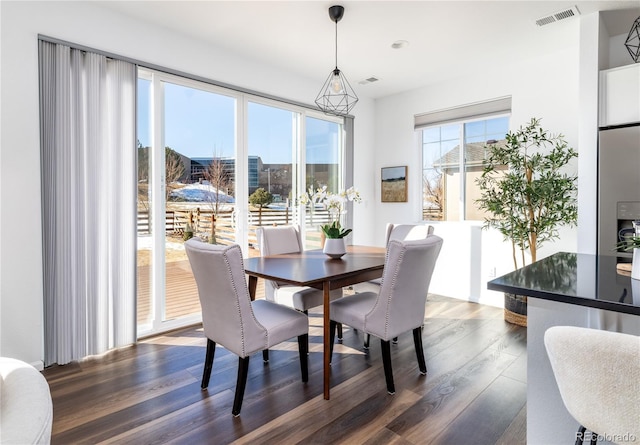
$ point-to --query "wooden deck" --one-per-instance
(181, 291)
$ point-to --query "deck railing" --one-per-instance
(202, 220)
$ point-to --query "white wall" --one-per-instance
(618, 53)
(591, 61)
(543, 85)
(364, 232)
(84, 23)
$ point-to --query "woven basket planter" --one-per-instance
(515, 309)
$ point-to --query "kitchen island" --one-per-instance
(566, 289)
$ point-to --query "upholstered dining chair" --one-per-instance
(598, 375)
(400, 232)
(286, 239)
(231, 319)
(399, 305)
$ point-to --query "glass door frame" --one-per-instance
(298, 156)
(241, 186)
(158, 189)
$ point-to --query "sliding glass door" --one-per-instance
(272, 147)
(324, 160)
(216, 164)
(186, 164)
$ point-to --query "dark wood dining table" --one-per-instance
(313, 268)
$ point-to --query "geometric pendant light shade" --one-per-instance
(336, 96)
(633, 41)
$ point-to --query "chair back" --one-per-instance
(598, 375)
(406, 277)
(227, 315)
(279, 240)
(408, 232)
(275, 241)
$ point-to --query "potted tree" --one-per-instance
(527, 195)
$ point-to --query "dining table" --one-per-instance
(313, 268)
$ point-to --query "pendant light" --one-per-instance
(336, 96)
(633, 41)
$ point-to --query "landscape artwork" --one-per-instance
(394, 184)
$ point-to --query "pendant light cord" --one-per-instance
(336, 44)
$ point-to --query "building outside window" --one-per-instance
(449, 149)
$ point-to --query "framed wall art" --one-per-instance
(394, 184)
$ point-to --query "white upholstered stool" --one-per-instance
(598, 375)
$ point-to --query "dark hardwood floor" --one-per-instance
(474, 391)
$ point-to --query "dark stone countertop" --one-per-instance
(575, 278)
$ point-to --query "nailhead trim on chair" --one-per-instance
(235, 289)
(393, 282)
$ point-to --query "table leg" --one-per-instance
(253, 285)
(326, 338)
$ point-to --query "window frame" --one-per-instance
(462, 164)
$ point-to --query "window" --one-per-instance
(449, 195)
(453, 143)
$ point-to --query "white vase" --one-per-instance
(635, 264)
(334, 247)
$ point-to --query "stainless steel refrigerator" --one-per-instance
(618, 185)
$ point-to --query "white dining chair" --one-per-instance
(598, 375)
(399, 305)
(399, 232)
(279, 240)
(232, 320)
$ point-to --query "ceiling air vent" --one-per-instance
(557, 16)
(368, 80)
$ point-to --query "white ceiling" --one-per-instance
(445, 37)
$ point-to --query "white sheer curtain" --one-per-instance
(88, 173)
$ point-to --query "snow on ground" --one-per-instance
(203, 192)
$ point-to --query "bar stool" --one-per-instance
(598, 375)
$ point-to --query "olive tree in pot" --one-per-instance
(527, 195)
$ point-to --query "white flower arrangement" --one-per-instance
(335, 204)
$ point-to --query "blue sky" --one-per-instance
(201, 124)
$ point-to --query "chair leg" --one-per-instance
(243, 371)
(307, 314)
(208, 363)
(265, 356)
(386, 362)
(303, 350)
(580, 435)
(417, 341)
(594, 438)
(339, 332)
(332, 337)
(367, 338)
